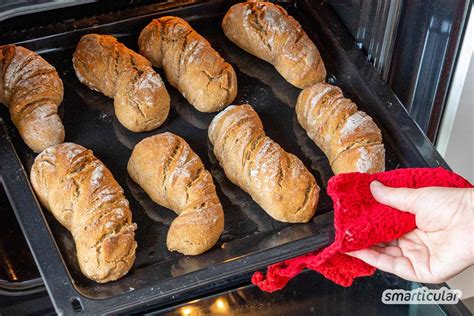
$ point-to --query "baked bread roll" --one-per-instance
(265, 30)
(173, 176)
(348, 137)
(32, 90)
(141, 101)
(84, 197)
(278, 181)
(190, 63)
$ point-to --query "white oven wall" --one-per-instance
(456, 137)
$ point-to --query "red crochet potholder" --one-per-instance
(360, 222)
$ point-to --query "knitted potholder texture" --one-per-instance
(360, 222)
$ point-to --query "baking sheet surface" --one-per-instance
(89, 120)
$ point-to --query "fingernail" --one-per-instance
(375, 185)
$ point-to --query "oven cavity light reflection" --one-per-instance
(10, 270)
(190, 311)
(220, 306)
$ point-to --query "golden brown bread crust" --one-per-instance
(83, 195)
(369, 157)
(141, 101)
(173, 176)
(266, 30)
(33, 91)
(278, 181)
(349, 138)
(191, 64)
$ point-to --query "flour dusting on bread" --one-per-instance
(85, 198)
(275, 179)
(349, 137)
(165, 166)
(265, 30)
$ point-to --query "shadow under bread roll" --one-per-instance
(197, 119)
(254, 67)
(152, 210)
(313, 153)
(173, 176)
(278, 181)
(84, 197)
(190, 63)
(141, 101)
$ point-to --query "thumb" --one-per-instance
(402, 199)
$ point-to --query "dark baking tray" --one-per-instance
(251, 239)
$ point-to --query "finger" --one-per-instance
(400, 266)
(402, 199)
(393, 243)
(393, 251)
(390, 243)
(375, 258)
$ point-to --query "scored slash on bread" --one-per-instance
(190, 63)
(32, 90)
(174, 176)
(84, 197)
(349, 138)
(141, 101)
(267, 31)
(278, 181)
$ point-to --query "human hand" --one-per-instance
(440, 247)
